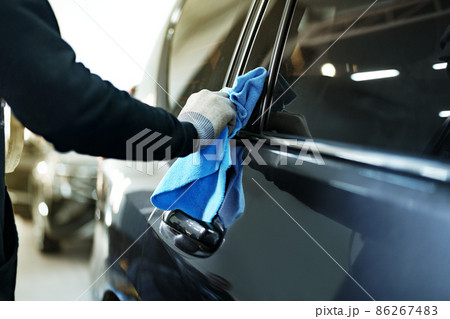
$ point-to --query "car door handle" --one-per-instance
(192, 236)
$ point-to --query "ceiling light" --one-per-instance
(329, 70)
(444, 114)
(440, 66)
(374, 75)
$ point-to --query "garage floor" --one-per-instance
(60, 276)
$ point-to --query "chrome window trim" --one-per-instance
(275, 61)
(243, 43)
(422, 167)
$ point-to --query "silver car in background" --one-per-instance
(64, 195)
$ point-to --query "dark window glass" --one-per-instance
(379, 84)
(262, 47)
(202, 47)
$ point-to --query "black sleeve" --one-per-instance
(61, 100)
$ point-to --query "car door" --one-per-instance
(344, 199)
(369, 99)
(264, 256)
(371, 221)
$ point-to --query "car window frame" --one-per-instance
(275, 63)
(244, 52)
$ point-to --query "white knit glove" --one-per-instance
(209, 112)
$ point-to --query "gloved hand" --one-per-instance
(209, 112)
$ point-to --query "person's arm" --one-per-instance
(61, 100)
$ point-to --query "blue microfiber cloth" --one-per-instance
(197, 184)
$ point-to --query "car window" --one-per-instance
(202, 47)
(378, 84)
(262, 48)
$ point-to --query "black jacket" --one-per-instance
(62, 101)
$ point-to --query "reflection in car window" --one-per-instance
(380, 85)
(262, 47)
(203, 43)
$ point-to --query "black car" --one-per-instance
(352, 198)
